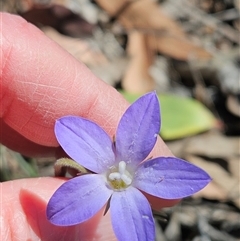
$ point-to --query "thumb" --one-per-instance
(24, 214)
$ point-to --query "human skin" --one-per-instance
(41, 82)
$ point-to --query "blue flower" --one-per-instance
(119, 172)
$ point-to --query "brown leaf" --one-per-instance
(113, 7)
(137, 78)
(234, 167)
(80, 49)
(213, 144)
(233, 105)
(165, 35)
(177, 48)
(221, 177)
(212, 191)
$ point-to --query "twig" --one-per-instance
(209, 233)
(208, 20)
(159, 233)
(227, 15)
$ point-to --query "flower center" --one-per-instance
(119, 178)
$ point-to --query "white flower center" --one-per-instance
(120, 178)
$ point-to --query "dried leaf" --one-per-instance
(234, 166)
(220, 176)
(178, 48)
(233, 105)
(213, 145)
(213, 192)
(80, 49)
(164, 34)
(137, 78)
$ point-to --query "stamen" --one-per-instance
(114, 176)
(127, 180)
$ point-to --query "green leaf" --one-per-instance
(180, 116)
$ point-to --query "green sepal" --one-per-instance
(64, 165)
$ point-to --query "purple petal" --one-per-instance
(131, 216)
(138, 129)
(77, 200)
(170, 178)
(85, 142)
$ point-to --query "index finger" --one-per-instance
(41, 82)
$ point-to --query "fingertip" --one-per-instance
(41, 82)
(25, 200)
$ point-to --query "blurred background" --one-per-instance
(187, 50)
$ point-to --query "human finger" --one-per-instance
(24, 214)
(41, 82)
